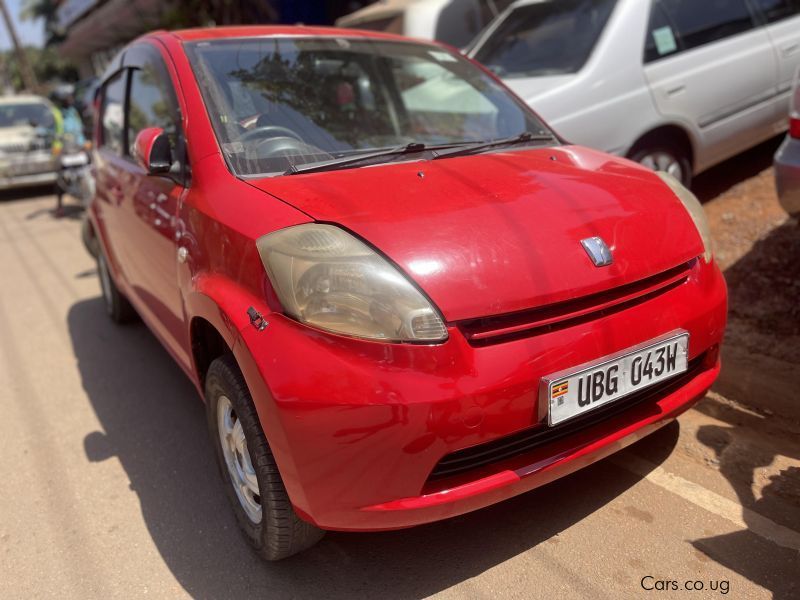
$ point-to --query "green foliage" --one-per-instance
(46, 63)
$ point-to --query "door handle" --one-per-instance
(676, 90)
(790, 49)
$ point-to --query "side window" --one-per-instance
(151, 102)
(661, 40)
(775, 10)
(700, 23)
(112, 120)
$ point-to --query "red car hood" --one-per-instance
(501, 232)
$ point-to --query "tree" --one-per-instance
(47, 65)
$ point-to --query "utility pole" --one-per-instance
(28, 78)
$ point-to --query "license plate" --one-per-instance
(74, 160)
(573, 392)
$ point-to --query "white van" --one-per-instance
(454, 22)
(678, 85)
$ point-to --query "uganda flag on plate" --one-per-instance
(559, 389)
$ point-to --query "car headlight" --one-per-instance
(329, 279)
(695, 210)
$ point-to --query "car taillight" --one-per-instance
(794, 127)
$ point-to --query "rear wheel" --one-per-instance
(665, 156)
(118, 307)
(252, 481)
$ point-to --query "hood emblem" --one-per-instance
(598, 251)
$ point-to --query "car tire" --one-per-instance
(665, 156)
(118, 307)
(89, 239)
(248, 468)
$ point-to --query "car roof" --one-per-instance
(23, 99)
(217, 33)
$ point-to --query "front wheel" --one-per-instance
(251, 478)
(118, 307)
(668, 158)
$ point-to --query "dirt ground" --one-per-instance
(758, 248)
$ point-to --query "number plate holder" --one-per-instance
(558, 392)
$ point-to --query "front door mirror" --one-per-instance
(152, 150)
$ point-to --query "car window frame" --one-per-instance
(490, 32)
(134, 59)
(103, 90)
(756, 17)
(762, 14)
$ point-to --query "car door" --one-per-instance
(782, 18)
(712, 67)
(152, 201)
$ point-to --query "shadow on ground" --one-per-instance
(27, 192)
(721, 178)
(153, 422)
(761, 354)
(746, 443)
(761, 370)
(71, 209)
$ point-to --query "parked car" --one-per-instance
(677, 85)
(454, 22)
(400, 295)
(787, 159)
(27, 130)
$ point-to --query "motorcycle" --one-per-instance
(75, 178)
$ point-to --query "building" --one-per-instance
(94, 30)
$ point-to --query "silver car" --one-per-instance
(678, 85)
(787, 159)
(27, 129)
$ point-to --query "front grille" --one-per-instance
(23, 147)
(513, 445)
(500, 328)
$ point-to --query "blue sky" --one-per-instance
(29, 32)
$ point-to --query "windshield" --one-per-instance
(552, 37)
(29, 113)
(282, 102)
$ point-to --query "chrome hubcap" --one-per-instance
(663, 161)
(237, 459)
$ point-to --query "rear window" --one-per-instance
(547, 38)
(699, 23)
(775, 10)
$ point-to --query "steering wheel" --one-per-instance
(269, 131)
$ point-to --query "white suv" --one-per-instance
(678, 85)
(27, 130)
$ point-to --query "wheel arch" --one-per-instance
(207, 344)
(669, 132)
(212, 331)
(218, 322)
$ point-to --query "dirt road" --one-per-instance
(109, 489)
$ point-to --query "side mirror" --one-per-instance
(152, 151)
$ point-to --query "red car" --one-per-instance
(401, 295)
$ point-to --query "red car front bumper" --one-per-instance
(358, 428)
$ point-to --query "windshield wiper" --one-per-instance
(412, 148)
(522, 138)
